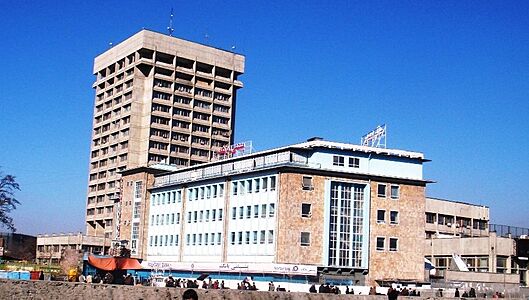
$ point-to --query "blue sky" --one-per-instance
(449, 78)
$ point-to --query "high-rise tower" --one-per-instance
(158, 99)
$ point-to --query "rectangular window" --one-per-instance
(248, 212)
(195, 216)
(393, 217)
(234, 213)
(270, 236)
(234, 188)
(354, 162)
(200, 238)
(219, 238)
(264, 183)
(254, 237)
(138, 187)
(306, 210)
(249, 184)
(257, 186)
(201, 216)
(220, 214)
(150, 241)
(242, 188)
(187, 239)
(430, 218)
(221, 190)
(263, 210)
(241, 212)
(381, 190)
(247, 240)
(176, 240)
(207, 215)
(262, 237)
(338, 160)
(213, 215)
(272, 183)
(177, 218)
(272, 210)
(306, 183)
(381, 216)
(256, 211)
(393, 244)
(305, 239)
(233, 238)
(395, 192)
(239, 240)
(194, 239)
(380, 243)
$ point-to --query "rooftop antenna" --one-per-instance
(170, 27)
(110, 45)
(206, 37)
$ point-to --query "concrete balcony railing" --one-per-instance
(230, 168)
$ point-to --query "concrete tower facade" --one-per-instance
(158, 99)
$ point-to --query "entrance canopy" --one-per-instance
(114, 263)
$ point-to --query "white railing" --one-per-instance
(231, 168)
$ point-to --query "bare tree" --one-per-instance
(8, 202)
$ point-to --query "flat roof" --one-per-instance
(455, 201)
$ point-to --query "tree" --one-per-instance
(8, 202)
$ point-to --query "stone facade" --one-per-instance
(407, 262)
(291, 223)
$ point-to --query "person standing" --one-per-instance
(456, 293)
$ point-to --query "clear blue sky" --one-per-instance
(449, 78)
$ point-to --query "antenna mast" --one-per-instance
(170, 27)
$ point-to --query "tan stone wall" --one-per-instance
(127, 206)
(291, 224)
(408, 261)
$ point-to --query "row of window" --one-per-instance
(448, 220)
(252, 237)
(163, 240)
(393, 217)
(256, 185)
(166, 197)
(204, 216)
(393, 244)
(209, 239)
(165, 219)
(338, 160)
(382, 191)
(246, 212)
(206, 192)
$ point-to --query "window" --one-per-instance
(305, 239)
(207, 215)
(393, 244)
(188, 217)
(262, 237)
(254, 237)
(257, 187)
(306, 183)
(306, 210)
(213, 214)
(256, 211)
(265, 184)
(354, 162)
(234, 188)
(395, 191)
(233, 238)
(381, 190)
(270, 236)
(430, 218)
(220, 214)
(263, 210)
(393, 217)
(195, 214)
(272, 183)
(239, 240)
(241, 212)
(272, 210)
(380, 243)
(249, 184)
(234, 213)
(248, 211)
(219, 237)
(381, 216)
(338, 160)
(247, 240)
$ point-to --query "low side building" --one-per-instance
(347, 211)
(50, 247)
(463, 249)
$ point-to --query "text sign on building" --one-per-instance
(375, 138)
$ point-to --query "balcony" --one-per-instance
(286, 158)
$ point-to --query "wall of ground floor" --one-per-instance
(25, 289)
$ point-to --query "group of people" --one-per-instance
(328, 289)
(95, 278)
